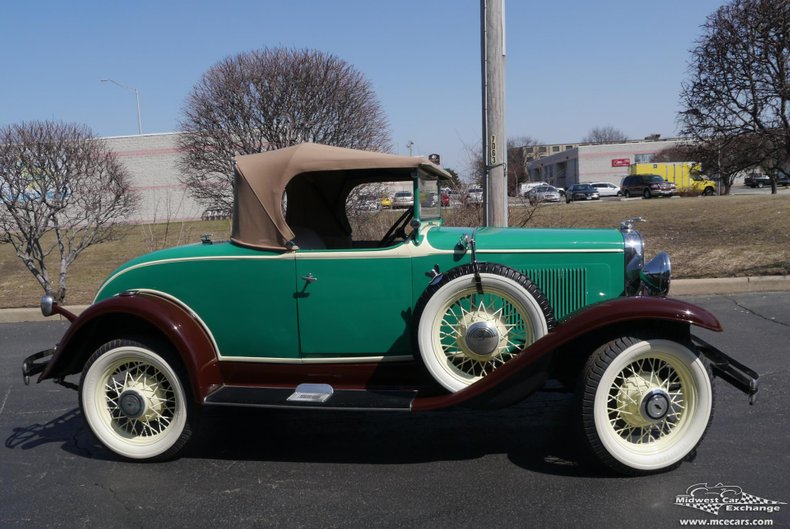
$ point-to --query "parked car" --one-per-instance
(647, 186)
(297, 312)
(474, 195)
(581, 192)
(402, 200)
(607, 189)
(526, 187)
(757, 180)
(544, 193)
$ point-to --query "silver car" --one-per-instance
(403, 199)
(544, 193)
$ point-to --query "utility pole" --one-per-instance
(492, 37)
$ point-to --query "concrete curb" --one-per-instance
(679, 287)
(729, 285)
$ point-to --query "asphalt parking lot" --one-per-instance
(461, 468)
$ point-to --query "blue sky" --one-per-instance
(571, 65)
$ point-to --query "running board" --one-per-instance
(312, 397)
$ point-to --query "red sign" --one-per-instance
(621, 162)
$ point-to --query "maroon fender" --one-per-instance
(591, 319)
(181, 329)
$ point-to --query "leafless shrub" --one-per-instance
(58, 179)
(163, 231)
(268, 99)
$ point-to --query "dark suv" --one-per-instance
(757, 180)
(646, 185)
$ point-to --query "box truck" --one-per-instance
(687, 176)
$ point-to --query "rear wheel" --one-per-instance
(627, 194)
(645, 403)
(135, 400)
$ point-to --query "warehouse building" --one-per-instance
(152, 162)
(595, 162)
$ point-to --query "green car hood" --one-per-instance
(504, 240)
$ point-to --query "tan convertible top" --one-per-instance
(318, 179)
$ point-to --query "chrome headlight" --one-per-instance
(634, 258)
(47, 304)
(656, 276)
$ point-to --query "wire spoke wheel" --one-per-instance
(646, 403)
(465, 333)
(134, 401)
(493, 314)
(139, 384)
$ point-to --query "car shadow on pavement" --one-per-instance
(536, 434)
(68, 429)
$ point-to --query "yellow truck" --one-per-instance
(687, 176)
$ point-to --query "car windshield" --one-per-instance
(655, 178)
(403, 194)
(584, 187)
(430, 205)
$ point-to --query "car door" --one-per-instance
(354, 303)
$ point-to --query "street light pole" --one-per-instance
(136, 98)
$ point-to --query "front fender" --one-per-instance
(524, 374)
(174, 322)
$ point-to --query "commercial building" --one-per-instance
(594, 162)
(152, 162)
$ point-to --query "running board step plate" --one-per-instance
(312, 396)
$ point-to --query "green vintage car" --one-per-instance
(299, 311)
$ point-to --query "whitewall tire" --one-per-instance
(645, 403)
(135, 402)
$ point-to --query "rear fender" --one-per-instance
(515, 380)
(133, 313)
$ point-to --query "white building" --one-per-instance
(152, 162)
(595, 163)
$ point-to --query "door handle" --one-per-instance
(310, 278)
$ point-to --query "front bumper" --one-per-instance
(729, 369)
(30, 365)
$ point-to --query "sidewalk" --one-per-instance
(679, 287)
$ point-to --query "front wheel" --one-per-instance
(627, 194)
(645, 403)
(647, 194)
(134, 400)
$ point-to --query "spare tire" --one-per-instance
(463, 335)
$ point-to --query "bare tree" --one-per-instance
(62, 190)
(268, 99)
(739, 84)
(607, 134)
(517, 170)
(516, 161)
